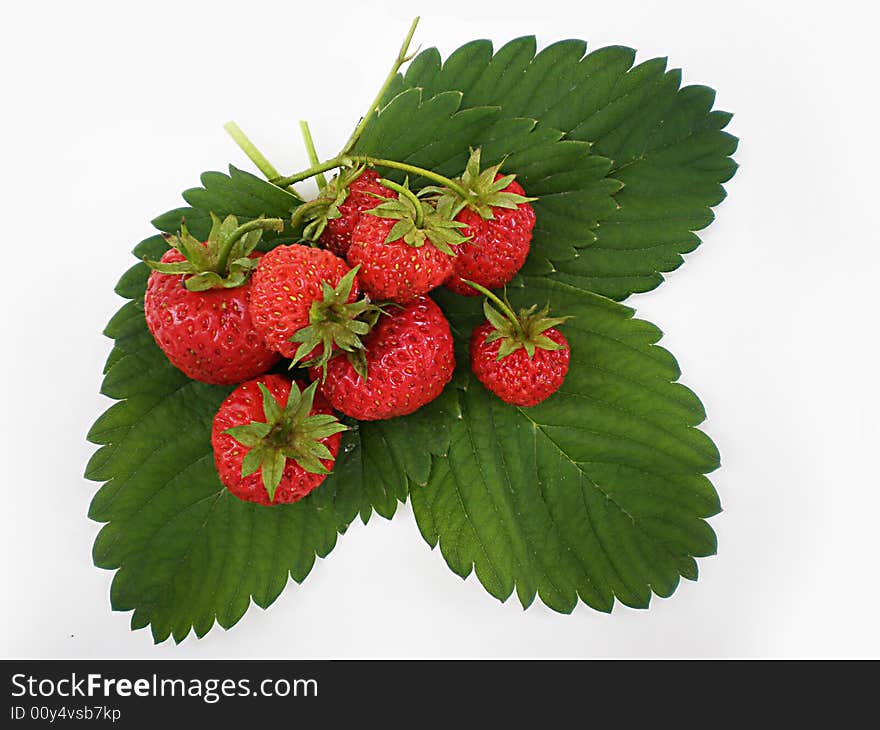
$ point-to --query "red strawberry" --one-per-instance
(498, 246)
(305, 298)
(331, 218)
(197, 304)
(404, 247)
(273, 442)
(521, 358)
(409, 359)
(498, 221)
(336, 237)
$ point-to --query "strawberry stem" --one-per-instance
(250, 149)
(311, 172)
(409, 195)
(401, 59)
(310, 149)
(264, 224)
(352, 160)
(422, 172)
(498, 302)
(254, 154)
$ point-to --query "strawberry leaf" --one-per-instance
(599, 492)
(240, 194)
(378, 460)
(663, 142)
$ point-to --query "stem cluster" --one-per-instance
(345, 158)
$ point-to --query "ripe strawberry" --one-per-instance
(408, 359)
(197, 303)
(336, 237)
(498, 221)
(404, 246)
(303, 302)
(274, 442)
(521, 358)
(330, 218)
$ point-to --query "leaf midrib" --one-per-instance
(653, 540)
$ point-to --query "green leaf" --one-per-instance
(665, 144)
(378, 459)
(186, 552)
(599, 492)
(240, 194)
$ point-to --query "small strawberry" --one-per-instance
(409, 359)
(273, 442)
(197, 303)
(498, 222)
(522, 359)
(304, 303)
(337, 235)
(404, 246)
(333, 215)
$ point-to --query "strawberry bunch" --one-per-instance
(349, 305)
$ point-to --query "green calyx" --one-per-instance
(336, 325)
(312, 217)
(419, 221)
(288, 432)
(484, 192)
(224, 262)
(524, 330)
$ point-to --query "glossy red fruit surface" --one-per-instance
(209, 335)
(336, 237)
(285, 284)
(516, 378)
(395, 271)
(497, 248)
(243, 406)
(410, 360)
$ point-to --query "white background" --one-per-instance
(111, 109)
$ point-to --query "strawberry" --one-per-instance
(333, 215)
(521, 358)
(408, 359)
(274, 442)
(304, 302)
(498, 221)
(404, 246)
(197, 303)
(336, 237)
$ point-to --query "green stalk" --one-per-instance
(265, 224)
(412, 169)
(306, 174)
(266, 167)
(310, 149)
(411, 196)
(250, 149)
(401, 59)
(350, 160)
(498, 302)
(254, 154)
